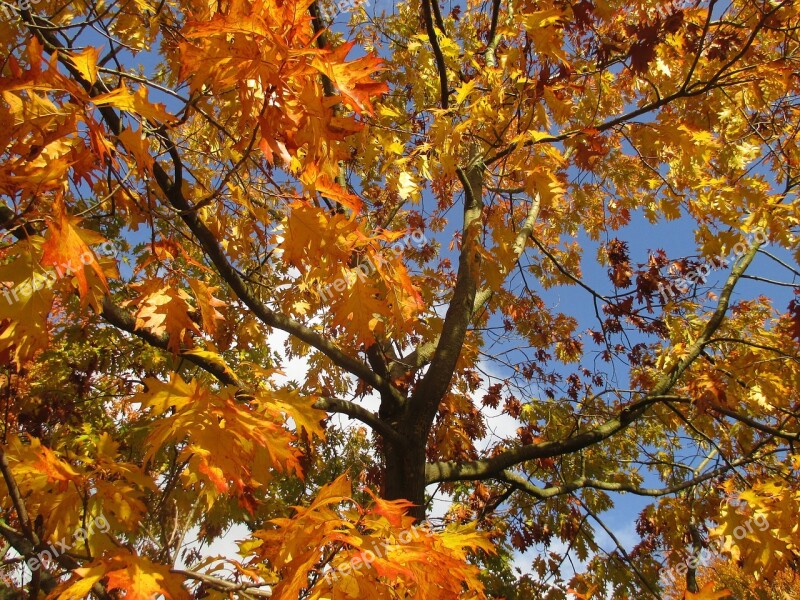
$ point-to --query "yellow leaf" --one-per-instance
(543, 18)
(207, 304)
(300, 409)
(142, 579)
(161, 395)
(465, 90)
(545, 31)
(460, 537)
(86, 63)
(211, 357)
(66, 249)
(26, 310)
(136, 103)
(165, 310)
(138, 150)
(82, 582)
(406, 186)
(358, 308)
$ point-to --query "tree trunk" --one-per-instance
(405, 473)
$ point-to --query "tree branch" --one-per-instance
(424, 402)
(16, 499)
(360, 413)
(124, 321)
(437, 51)
(223, 585)
(523, 485)
(491, 467)
(494, 39)
(422, 354)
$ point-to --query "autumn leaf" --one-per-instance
(352, 79)
(707, 593)
(359, 308)
(66, 249)
(310, 234)
(164, 310)
(135, 576)
(212, 357)
(86, 63)
(136, 103)
(251, 435)
(208, 305)
(25, 330)
(332, 190)
(80, 586)
(300, 409)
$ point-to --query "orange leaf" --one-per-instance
(138, 149)
(136, 103)
(86, 63)
(66, 249)
(335, 192)
(165, 310)
(207, 304)
(359, 309)
(353, 79)
(141, 579)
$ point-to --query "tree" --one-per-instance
(186, 180)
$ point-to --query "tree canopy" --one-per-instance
(578, 219)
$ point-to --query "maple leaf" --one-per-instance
(353, 79)
(86, 63)
(359, 309)
(208, 305)
(402, 295)
(138, 148)
(290, 402)
(544, 29)
(227, 442)
(25, 330)
(165, 310)
(54, 468)
(161, 395)
(335, 192)
(80, 586)
(66, 249)
(136, 103)
(311, 235)
(135, 576)
(25, 304)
